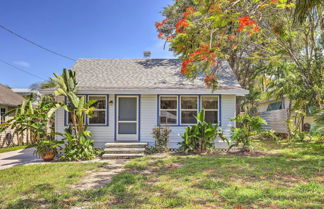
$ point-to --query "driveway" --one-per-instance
(18, 157)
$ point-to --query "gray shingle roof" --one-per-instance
(9, 98)
(102, 74)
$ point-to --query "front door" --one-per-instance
(127, 118)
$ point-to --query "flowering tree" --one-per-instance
(259, 39)
(203, 31)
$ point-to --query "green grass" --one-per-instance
(42, 184)
(9, 149)
(281, 176)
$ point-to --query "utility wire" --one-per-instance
(22, 70)
(36, 44)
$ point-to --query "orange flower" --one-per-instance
(184, 67)
(158, 25)
(183, 23)
(256, 28)
(189, 11)
(160, 35)
(246, 21)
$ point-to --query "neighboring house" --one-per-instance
(8, 101)
(136, 95)
(27, 93)
(274, 111)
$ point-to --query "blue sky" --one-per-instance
(78, 29)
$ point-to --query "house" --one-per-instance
(8, 101)
(275, 112)
(32, 94)
(135, 95)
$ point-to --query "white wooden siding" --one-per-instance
(148, 120)
(228, 112)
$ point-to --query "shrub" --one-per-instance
(249, 127)
(78, 148)
(161, 136)
(199, 137)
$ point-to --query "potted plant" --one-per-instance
(47, 149)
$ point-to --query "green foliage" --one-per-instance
(77, 142)
(199, 137)
(161, 136)
(43, 147)
(318, 128)
(32, 120)
(77, 106)
(248, 127)
(80, 148)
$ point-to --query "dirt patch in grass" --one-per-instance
(98, 178)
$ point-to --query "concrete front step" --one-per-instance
(123, 155)
(124, 150)
(126, 145)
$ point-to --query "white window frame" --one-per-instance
(160, 109)
(94, 110)
(197, 110)
(3, 116)
(206, 110)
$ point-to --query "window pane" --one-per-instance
(188, 117)
(168, 102)
(210, 102)
(127, 109)
(127, 128)
(211, 116)
(189, 102)
(101, 102)
(99, 117)
(168, 117)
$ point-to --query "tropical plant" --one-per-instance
(248, 128)
(32, 121)
(78, 145)
(161, 136)
(199, 137)
(318, 128)
(47, 147)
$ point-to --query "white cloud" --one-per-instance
(22, 63)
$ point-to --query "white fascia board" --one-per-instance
(238, 92)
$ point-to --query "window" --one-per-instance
(168, 110)
(2, 115)
(189, 109)
(275, 106)
(210, 105)
(100, 111)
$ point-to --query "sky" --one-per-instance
(75, 28)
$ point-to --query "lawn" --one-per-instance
(279, 176)
(9, 149)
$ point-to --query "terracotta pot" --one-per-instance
(48, 156)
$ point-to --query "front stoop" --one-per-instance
(124, 150)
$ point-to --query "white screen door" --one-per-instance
(127, 118)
